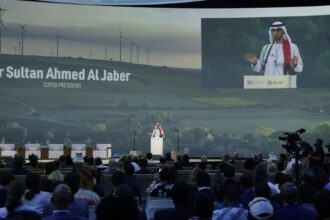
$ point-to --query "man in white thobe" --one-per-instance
(279, 57)
(158, 131)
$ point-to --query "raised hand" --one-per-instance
(251, 57)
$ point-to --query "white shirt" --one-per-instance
(38, 202)
(275, 61)
(90, 198)
(156, 132)
(4, 211)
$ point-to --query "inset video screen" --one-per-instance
(278, 48)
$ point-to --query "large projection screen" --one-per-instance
(94, 74)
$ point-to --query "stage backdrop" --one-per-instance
(93, 74)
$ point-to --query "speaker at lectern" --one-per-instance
(157, 140)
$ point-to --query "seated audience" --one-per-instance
(99, 164)
(17, 165)
(144, 167)
(247, 188)
(149, 159)
(162, 162)
(193, 176)
(229, 175)
(61, 200)
(6, 180)
(15, 209)
(130, 181)
(181, 197)
(76, 207)
(186, 161)
(202, 207)
(249, 165)
(56, 176)
(120, 206)
(225, 163)
(33, 196)
(168, 157)
(203, 181)
(112, 167)
(178, 165)
(307, 190)
(291, 208)
(85, 192)
(163, 186)
(260, 208)
(135, 163)
(33, 161)
(322, 204)
(232, 209)
(68, 161)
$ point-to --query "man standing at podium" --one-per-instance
(279, 57)
(158, 132)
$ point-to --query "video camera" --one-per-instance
(293, 141)
(328, 147)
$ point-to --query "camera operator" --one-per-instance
(327, 160)
(316, 158)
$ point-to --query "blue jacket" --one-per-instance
(61, 215)
(294, 211)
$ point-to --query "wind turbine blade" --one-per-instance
(3, 25)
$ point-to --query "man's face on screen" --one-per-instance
(277, 34)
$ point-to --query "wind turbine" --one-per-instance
(58, 37)
(15, 49)
(19, 47)
(137, 52)
(131, 47)
(106, 52)
(90, 53)
(23, 26)
(148, 51)
(2, 25)
(121, 36)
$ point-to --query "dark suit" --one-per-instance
(144, 171)
(294, 211)
(77, 207)
(61, 215)
(209, 192)
(177, 213)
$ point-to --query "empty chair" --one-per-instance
(78, 148)
(8, 150)
(55, 151)
(103, 151)
(32, 149)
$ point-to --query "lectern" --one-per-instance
(270, 82)
(156, 145)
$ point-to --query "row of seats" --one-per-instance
(56, 150)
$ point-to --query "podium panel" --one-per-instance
(55, 150)
(103, 151)
(270, 82)
(78, 148)
(8, 150)
(156, 146)
(32, 149)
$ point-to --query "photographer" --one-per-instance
(316, 158)
(327, 160)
